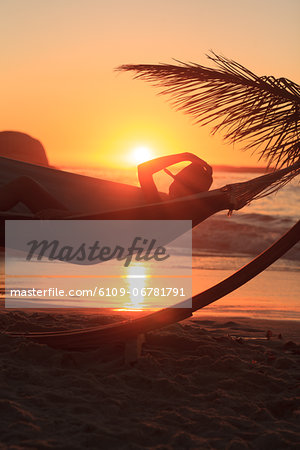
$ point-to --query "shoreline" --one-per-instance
(242, 326)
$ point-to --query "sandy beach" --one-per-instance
(211, 383)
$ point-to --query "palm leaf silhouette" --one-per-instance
(262, 111)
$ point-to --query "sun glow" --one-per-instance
(141, 154)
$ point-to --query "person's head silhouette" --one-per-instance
(190, 180)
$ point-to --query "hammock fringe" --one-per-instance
(243, 193)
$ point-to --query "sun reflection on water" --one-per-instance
(136, 277)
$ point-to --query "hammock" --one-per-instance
(103, 200)
(198, 208)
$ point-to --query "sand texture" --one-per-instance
(200, 384)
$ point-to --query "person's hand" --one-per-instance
(190, 156)
(193, 158)
(45, 214)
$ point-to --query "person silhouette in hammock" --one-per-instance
(195, 178)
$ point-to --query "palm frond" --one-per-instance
(263, 111)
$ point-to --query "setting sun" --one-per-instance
(141, 154)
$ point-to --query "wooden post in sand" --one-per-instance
(133, 349)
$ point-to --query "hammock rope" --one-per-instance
(243, 193)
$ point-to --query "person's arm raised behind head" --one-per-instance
(157, 164)
(148, 168)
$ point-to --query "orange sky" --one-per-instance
(58, 82)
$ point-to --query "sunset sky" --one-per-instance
(59, 84)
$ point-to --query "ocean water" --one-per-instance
(222, 244)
